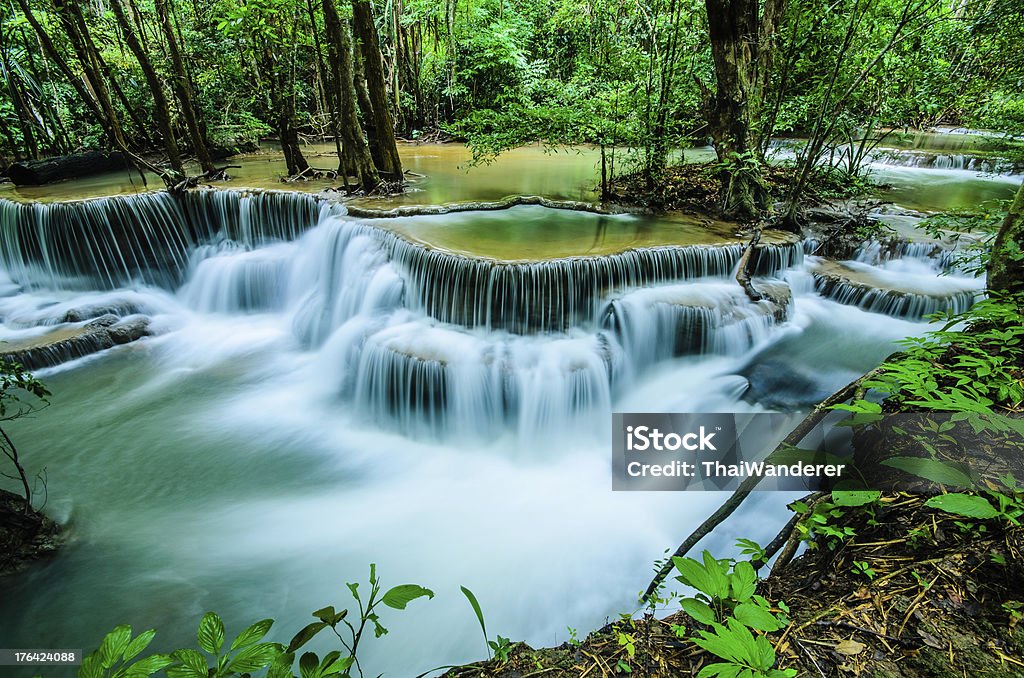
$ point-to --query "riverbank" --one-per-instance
(939, 600)
(25, 537)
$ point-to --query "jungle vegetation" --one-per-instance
(167, 82)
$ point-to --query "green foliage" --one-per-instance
(248, 652)
(744, 653)
(864, 569)
(820, 524)
(725, 588)
(20, 392)
(114, 657)
(500, 647)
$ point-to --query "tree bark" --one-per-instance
(382, 146)
(161, 108)
(742, 46)
(183, 89)
(1006, 263)
(39, 172)
(355, 159)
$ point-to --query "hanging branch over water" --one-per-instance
(747, 486)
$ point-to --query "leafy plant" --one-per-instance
(862, 567)
(245, 654)
(500, 648)
(397, 598)
(820, 521)
(744, 653)
(113, 658)
(724, 589)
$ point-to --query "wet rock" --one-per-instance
(89, 312)
(24, 537)
(70, 343)
(130, 329)
(103, 321)
(778, 385)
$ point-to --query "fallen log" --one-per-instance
(48, 170)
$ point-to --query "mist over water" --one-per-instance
(316, 403)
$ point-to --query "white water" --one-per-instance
(301, 415)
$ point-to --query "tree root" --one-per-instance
(743, 271)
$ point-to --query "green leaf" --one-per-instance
(92, 666)
(756, 617)
(253, 634)
(281, 667)
(855, 497)
(476, 608)
(329, 616)
(743, 581)
(930, 469)
(403, 594)
(148, 666)
(699, 610)
(720, 670)
(114, 644)
(305, 635)
(967, 505)
(211, 633)
(254, 658)
(192, 665)
(138, 645)
(309, 665)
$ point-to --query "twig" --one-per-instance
(810, 656)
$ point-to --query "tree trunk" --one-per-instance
(383, 146)
(356, 159)
(1006, 263)
(161, 109)
(48, 170)
(742, 45)
(183, 89)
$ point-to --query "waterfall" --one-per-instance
(875, 252)
(108, 243)
(897, 303)
(426, 341)
(946, 161)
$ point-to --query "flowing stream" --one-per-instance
(325, 392)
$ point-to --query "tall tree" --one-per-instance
(182, 84)
(742, 39)
(355, 159)
(161, 108)
(383, 147)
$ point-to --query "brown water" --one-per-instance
(442, 174)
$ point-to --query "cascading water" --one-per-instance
(304, 363)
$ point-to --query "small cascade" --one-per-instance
(341, 271)
(705, 317)
(239, 281)
(875, 252)
(946, 161)
(896, 303)
(108, 243)
(558, 294)
(96, 244)
(444, 381)
(253, 218)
